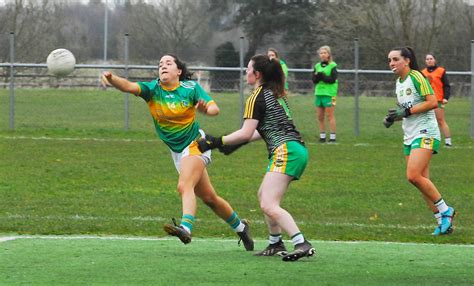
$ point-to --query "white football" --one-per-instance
(61, 62)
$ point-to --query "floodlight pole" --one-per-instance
(12, 81)
(241, 86)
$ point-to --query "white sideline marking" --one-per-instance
(230, 240)
(362, 144)
(162, 219)
(7, 238)
(78, 139)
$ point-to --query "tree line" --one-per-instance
(207, 32)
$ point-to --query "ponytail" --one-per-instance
(408, 53)
(272, 74)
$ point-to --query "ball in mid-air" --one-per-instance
(61, 62)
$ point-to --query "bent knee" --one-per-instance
(183, 187)
(414, 178)
(270, 210)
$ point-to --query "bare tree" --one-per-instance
(168, 26)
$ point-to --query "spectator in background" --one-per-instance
(439, 82)
(272, 54)
(326, 86)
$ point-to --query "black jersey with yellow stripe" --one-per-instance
(275, 123)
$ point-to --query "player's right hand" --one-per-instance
(105, 78)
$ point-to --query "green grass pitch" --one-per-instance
(69, 168)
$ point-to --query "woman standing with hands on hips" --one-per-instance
(415, 105)
(268, 116)
(173, 99)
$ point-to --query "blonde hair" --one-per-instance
(328, 49)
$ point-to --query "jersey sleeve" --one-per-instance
(201, 94)
(146, 89)
(422, 84)
(255, 106)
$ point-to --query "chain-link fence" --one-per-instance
(352, 82)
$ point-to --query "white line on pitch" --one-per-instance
(143, 238)
(361, 144)
(78, 139)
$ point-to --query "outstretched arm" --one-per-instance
(228, 144)
(244, 134)
(122, 84)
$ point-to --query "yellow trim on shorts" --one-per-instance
(193, 149)
(281, 154)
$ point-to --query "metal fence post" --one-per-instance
(356, 86)
(12, 81)
(125, 59)
(241, 86)
(472, 89)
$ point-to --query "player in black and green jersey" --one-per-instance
(267, 116)
(325, 90)
(173, 99)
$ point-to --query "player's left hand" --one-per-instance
(201, 106)
(209, 143)
(398, 113)
(445, 101)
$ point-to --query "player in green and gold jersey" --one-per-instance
(173, 100)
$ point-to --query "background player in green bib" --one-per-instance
(173, 100)
(325, 89)
(272, 54)
(416, 101)
(267, 116)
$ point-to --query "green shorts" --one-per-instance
(325, 101)
(425, 143)
(289, 158)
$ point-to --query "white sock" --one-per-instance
(186, 228)
(274, 238)
(441, 206)
(437, 216)
(447, 140)
(322, 135)
(332, 136)
(240, 228)
(297, 238)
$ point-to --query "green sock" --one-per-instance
(187, 222)
(234, 222)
